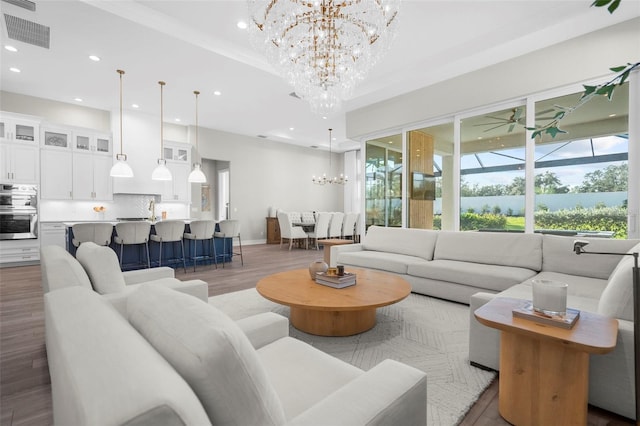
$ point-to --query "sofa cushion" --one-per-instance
(101, 263)
(210, 352)
(523, 291)
(412, 242)
(558, 256)
(617, 298)
(492, 248)
(60, 269)
(578, 286)
(491, 277)
(302, 375)
(391, 262)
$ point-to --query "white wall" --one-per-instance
(269, 174)
(580, 59)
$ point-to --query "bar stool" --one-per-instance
(230, 229)
(133, 233)
(202, 230)
(170, 231)
(99, 233)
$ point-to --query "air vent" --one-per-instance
(294, 95)
(314, 146)
(27, 31)
(25, 4)
(262, 136)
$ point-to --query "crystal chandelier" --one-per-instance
(323, 180)
(323, 48)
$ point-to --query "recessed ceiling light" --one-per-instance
(11, 48)
(612, 115)
(291, 128)
(77, 99)
(177, 120)
(217, 93)
(324, 118)
(94, 58)
(242, 25)
(14, 69)
(135, 106)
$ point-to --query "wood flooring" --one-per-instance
(25, 391)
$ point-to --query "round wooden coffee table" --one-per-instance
(326, 311)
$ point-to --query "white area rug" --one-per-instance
(429, 334)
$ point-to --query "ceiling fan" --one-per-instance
(516, 117)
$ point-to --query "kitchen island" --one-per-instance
(134, 257)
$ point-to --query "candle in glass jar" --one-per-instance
(549, 297)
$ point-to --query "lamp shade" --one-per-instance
(161, 172)
(196, 175)
(121, 169)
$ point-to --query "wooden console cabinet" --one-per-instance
(273, 231)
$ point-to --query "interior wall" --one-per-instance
(576, 60)
(266, 174)
(56, 112)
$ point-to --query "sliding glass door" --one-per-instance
(383, 182)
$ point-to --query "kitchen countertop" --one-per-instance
(114, 222)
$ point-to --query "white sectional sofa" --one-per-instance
(172, 359)
(473, 267)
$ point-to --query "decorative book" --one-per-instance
(336, 281)
(563, 321)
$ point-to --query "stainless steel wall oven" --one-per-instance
(18, 212)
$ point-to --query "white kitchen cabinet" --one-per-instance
(52, 234)
(16, 252)
(18, 163)
(56, 137)
(16, 129)
(91, 180)
(56, 175)
(91, 142)
(178, 188)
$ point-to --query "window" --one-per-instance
(383, 182)
(492, 175)
(581, 176)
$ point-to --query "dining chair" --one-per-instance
(321, 230)
(290, 232)
(202, 230)
(307, 218)
(349, 226)
(133, 233)
(229, 229)
(335, 226)
(170, 231)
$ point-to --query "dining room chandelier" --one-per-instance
(323, 48)
(323, 180)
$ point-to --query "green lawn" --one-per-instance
(515, 223)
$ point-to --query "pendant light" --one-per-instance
(161, 172)
(196, 175)
(121, 168)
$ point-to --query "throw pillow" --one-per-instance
(210, 352)
(102, 266)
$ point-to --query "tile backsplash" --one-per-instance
(123, 205)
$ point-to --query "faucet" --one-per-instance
(152, 209)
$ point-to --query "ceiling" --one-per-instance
(196, 45)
